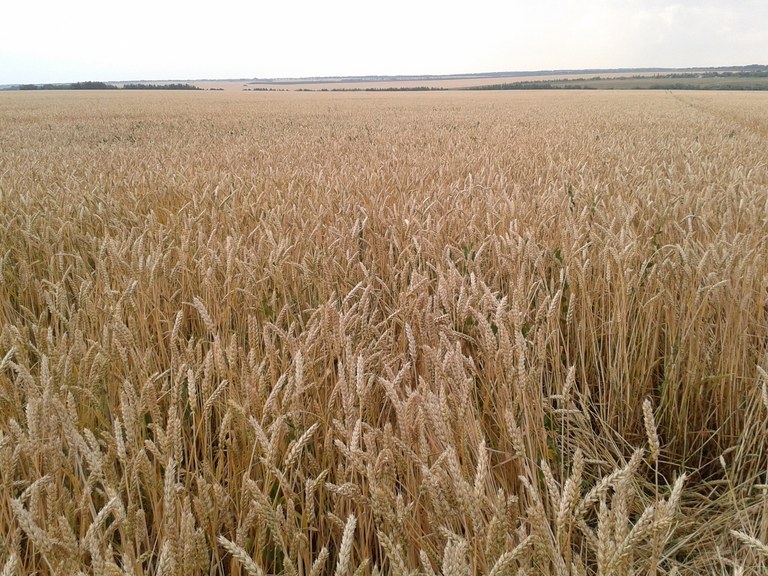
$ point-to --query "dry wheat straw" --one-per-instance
(433, 316)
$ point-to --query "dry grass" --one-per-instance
(363, 334)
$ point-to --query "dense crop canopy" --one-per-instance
(513, 333)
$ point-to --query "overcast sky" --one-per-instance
(74, 40)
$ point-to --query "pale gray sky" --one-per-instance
(74, 40)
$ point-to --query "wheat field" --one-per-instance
(446, 333)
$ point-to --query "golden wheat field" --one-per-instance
(438, 333)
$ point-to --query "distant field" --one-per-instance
(443, 83)
(448, 333)
(690, 82)
(748, 78)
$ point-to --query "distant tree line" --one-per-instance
(387, 89)
(136, 86)
(74, 86)
(400, 89)
(90, 85)
(538, 85)
(756, 72)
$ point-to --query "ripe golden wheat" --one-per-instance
(383, 334)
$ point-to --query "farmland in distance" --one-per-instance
(305, 333)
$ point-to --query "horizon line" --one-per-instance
(415, 77)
